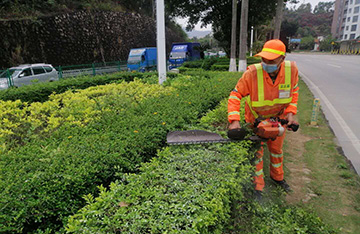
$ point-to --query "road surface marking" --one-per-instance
(349, 133)
(334, 65)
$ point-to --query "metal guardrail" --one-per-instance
(4, 84)
(91, 69)
(100, 68)
(88, 69)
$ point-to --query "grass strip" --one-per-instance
(332, 188)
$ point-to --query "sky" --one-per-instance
(182, 21)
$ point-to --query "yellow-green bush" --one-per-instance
(40, 92)
(21, 120)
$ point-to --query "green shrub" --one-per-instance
(187, 189)
(40, 92)
(307, 43)
(44, 181)
(20, 121)
(214, 64)
(193, 64)
(204, 63)
(253, 60)
(191, 189)
(216, 67)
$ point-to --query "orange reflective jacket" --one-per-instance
(263, 97)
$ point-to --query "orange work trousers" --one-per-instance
(276, 162)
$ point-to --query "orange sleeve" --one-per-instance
(241, 90)
(292, 108)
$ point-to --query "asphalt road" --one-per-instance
(335, 79)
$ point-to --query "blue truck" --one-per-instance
(142, 59)
(181, 52)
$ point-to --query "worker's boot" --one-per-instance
(282, 184)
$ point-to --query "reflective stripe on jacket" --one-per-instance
(265, 98)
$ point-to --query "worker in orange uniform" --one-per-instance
(271, 90)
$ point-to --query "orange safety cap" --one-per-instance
(272, 49)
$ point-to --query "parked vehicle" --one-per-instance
(181, 52)
(27, 74)
(142, 59)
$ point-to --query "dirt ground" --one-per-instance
(300, 174)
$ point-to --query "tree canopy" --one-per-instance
(218, 14)
(311, 22)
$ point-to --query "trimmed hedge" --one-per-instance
(188, 189)
(215, 64)
(204, 63)
(217, 67)
(192, 189)
(21, 121)
(43, 182)
(40, 92)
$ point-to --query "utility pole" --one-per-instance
(251, 40)
(278, 18)
(161, 42)
(232, 66)
(243, 35)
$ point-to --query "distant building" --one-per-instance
(346, 20)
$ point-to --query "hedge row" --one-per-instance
(249, 60)
(215, 64)
(43, 182)
(203, 64)
(186, 189)
(40, 92)
(21, 121)
(191, 189)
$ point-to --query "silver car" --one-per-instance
(28, 74)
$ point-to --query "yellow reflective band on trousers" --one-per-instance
(259, 173)
(276, 155)
(276, 165)
(234, 113)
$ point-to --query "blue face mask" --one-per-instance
(269, 68)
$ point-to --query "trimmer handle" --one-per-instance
(294, 127)
(237, 134)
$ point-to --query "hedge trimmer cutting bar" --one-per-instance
(264, 130)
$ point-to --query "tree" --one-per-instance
(278, 18)
(289, 28)
(307, 43)
(216, 12)
(243, 35)
(324, 7)
(327, 43)
(232, 66)
(304, 8)
(316, 23)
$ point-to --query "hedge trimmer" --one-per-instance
(263, 129)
